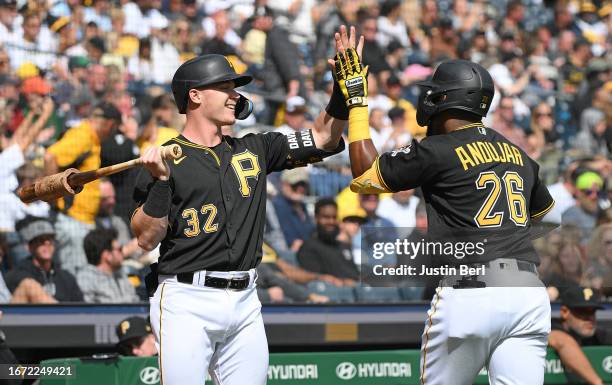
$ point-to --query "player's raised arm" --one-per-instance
(330, 124)
(351, 78)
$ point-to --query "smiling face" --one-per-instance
(216, 102)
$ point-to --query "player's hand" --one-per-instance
(276, 294)
(317, 298)
(152, 160)
(352, 79)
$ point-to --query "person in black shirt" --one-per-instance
(323, 253)
(206, 209)
(578, 327)
(40, 237)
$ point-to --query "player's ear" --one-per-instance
(194, 96)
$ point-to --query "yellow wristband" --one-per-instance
(359, 126)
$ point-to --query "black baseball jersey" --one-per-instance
(478, 187)
(217, 212)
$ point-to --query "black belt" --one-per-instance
(216, 282)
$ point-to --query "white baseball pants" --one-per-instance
(200, 329)
(503, 328)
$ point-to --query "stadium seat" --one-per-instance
(377, 294)
(335, 293)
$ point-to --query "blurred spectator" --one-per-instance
(503, 122)
(141, 16)
(444, 41)
(400, 135)
(351, 221)
(80, 148)
(98, 12)
(342, 12)
(107, 219)
(394, 93)
(220, 36)
(594, 137)
(39, 235)
(567, 269)
(373, 53)
(9, 22)
(97, 82)
(323, 253)
(164, 56)
(34, 91)
(290, 209)
(577, 327)
(375, 228)
(599, 253)
(391, 26)
(563, 194)
(295, 118)
(281, 74)
(31, 43)
(162, 126)
(590, 27)
(379, 130)
(400, 210)
(275, 286)
(135, 338)
(513, 19)
(103, 280)
(584, 214)
(573, 71)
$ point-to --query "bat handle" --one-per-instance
(172, 151)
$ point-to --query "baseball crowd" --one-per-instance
(85, 84)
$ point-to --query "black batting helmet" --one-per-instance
(202, 71)
(455, 84)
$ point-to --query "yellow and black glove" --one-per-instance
(352, 78)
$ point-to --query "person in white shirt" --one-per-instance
(391, 26)
(379, 128)
(165, 57)
(31, 44)
(563, 194)
(295, 116)
(400, 209)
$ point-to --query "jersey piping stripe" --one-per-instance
(547, 209)
(200, 147)
(161, 297)
(430, 320)
(380, 178)
(477, 124)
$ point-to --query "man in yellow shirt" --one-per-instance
(80, 148)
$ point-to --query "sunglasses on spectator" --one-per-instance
(607, 242)
(591, 191)
(506, 107)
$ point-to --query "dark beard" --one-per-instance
(327, 236)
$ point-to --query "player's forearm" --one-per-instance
(361, 148)
(327, 131)
(573, 357)
(148, 230)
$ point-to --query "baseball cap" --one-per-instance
(581, 297)
(295, 176)
(36, 228)
(353, 214)
(107, 111)
(78, 62)
(295, 105)
(27, 70)
(132, 327)
(587, 179)
(36, 85)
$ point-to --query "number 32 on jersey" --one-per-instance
(517, 207)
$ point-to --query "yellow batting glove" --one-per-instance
(352, 78)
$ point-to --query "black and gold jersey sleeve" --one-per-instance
(408, 167)
(276, 148)
(541, 201)
(144, 182)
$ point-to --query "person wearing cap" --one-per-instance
(103, 280)
(577, 327)
(35, 91)
(587, 188)
(291, 209)
(135, 338)
(322, 252)
(394, 91)
(39, 235)
(295, 116)
(207, 212)
(80, 147)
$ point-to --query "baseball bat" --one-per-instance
(71, 181)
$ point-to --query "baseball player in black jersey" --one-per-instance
(477, 186)
(207, 209)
